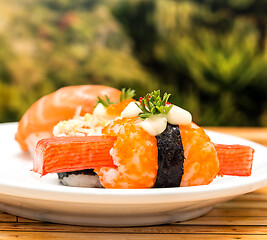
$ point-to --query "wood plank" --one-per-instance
(172, 228)
(255, 196)
(262, 190)
(243, 204)
(243, 221)
(56, 236)
(23, 220)
(5, 217)
(237, 212)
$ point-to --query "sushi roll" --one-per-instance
(153, 144)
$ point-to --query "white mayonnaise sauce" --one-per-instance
(178, 116)
(156, 124)
(131, 110)
(100, 110)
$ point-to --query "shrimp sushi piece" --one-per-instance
(40, 118)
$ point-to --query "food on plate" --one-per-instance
(134, 153)
(43, 115)
(145, 144)
(93, 152)
(242, 156)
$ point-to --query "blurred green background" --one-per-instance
(210, 54)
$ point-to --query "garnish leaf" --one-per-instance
(125, 95)
(153, 104)
(106, 102)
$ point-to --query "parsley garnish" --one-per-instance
(106, 102)
(153, 104)
(125, 95)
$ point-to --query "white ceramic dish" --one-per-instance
(24, 193)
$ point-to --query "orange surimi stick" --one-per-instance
(235, 160)
(63, 154)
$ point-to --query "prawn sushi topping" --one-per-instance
(170, 158)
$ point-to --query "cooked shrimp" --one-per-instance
(39, 120)
(134, 153)
(201, 163)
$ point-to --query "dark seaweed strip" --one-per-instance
(85, 172)
(170, 158)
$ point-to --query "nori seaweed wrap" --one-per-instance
(170, 158)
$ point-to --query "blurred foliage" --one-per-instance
(211, 55)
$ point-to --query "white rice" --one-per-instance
(82, 180)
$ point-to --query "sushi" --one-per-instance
(63, 104)
(90, 125)
(151, 144)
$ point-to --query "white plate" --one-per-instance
(25, 194)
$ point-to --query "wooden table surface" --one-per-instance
(242, 218)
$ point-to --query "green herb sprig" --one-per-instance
(125, 95)
(153, 104)
(105, 102)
